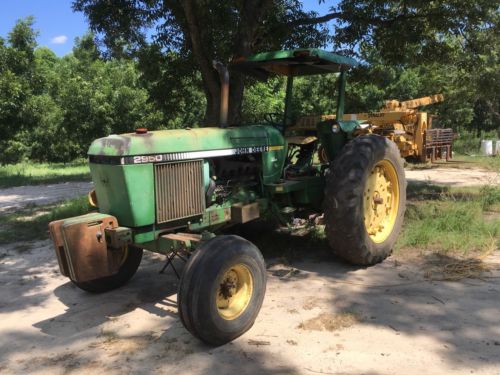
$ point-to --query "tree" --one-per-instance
(193, 34)
(199, 32)
(52, 108)
(17, 78)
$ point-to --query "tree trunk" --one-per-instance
(251, 14)
(209, 75)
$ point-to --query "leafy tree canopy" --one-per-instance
(199, 32)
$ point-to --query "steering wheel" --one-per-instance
(274, 118)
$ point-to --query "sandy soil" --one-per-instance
(17, 197)
(319, 316)
(453, 177)
(20, 196)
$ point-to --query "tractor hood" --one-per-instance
(178, 144)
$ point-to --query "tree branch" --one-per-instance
(375, 21)
(316, 20)
(208, 73)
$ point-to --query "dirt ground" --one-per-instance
(320, 316)
(17, 197)
(20, 196)
(453, 177)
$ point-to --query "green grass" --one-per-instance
(466, 149)
(31, 223)
(491, 163)
(43, 173)
(438, 219)
(469, 143)
(466, 154)
(444, 220)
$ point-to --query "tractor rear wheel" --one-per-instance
(222, 289)
(132, 257)
(365, 200)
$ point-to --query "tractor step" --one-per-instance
(183, 237)
(182, 242)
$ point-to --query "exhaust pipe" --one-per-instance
(224, 92)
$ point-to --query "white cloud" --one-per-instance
(60, 39)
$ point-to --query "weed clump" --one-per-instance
(455, 221)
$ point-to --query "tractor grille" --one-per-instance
(179, 190)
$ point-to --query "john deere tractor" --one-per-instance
(173, 191)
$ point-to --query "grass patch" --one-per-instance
(331, 322)
(108, 335)
(453, 220)
(43, 173)
(444, 268)
(31, 223)
(469, 143)
(439, 219)
(490, 163)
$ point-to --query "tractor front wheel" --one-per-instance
(365, 200)
(222, 289)
(132, 257)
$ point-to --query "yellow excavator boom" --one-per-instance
(396, 105)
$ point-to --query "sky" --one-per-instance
(58, 25)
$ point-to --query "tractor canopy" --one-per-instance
(297, 62)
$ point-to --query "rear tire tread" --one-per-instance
(343, 203)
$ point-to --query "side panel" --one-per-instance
(332, 141)
(126, 192)
(274, 160)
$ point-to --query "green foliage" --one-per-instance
(314, 95)
(52, 108)
(190, 35)
(467, 143)
(490, 196)
(311, 96)
(405, 35)
(263, 98)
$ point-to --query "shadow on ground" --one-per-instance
(51, 325)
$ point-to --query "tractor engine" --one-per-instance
(232, 174)
(165, 179)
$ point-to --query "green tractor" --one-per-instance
(171, 191)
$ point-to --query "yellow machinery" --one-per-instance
(409, 128)
(401, 122)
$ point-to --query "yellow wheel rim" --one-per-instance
(234, 292)
(125, 256)
(323, 158)
(92, 196)
(381, 201)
